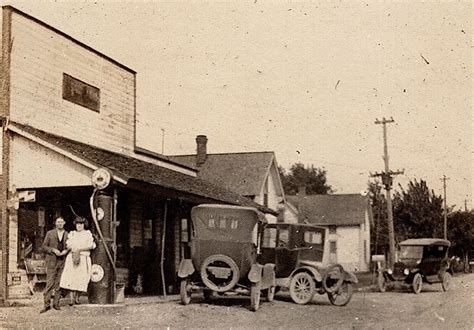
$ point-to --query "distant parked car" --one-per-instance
(421, 260)
(297, 251)
(225, 245)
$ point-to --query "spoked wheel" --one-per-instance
(270, 293)
(446, 281)
(417, 283)
(342, 296)
(302, 288)
(255, 296)
(381, 282)
(185, 291)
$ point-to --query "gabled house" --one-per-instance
(251, 174)
(66, 110)
(347, 217)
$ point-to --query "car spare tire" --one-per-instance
(219, 273)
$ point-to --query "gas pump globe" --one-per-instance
(102, 285)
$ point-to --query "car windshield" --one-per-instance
(410, 252)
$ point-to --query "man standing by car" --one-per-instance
(55, 247)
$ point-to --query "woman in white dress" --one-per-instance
(77, 267)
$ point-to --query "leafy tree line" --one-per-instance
(418, 212)
(313, 178)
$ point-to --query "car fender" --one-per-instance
(313, 271)
(350, 277)
(255, 273)
(186, 268)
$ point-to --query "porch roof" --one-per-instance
(138, 174)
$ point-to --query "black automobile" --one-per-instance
(297, 250)
(420, 260)
(225, 246)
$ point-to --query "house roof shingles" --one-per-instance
(243, 172)
(340, 210)
(128, 168)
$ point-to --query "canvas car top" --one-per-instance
(225, 222)
(426, 241)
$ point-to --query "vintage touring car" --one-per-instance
(420, 260)
(225, 245)
(297, 250)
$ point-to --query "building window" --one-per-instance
(269, 238)
(365, 250)
(332, 247)
(81, 93)
(184, 231)
(332, 229)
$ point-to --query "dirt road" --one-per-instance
(401, 309)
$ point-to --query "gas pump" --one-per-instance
(102, 204)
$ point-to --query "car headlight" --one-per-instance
(406, 271)
(389, 271)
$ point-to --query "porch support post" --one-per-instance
(163, 240)
(6, 46)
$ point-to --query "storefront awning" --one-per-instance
(135, 173)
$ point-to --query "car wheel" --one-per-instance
(417, 283)
(446, 281)
(255, 296)
(185, 291)
(381, 282)
(302, 288)
(342, 296)
(270, 293)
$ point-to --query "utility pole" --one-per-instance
(387, 180)
(444, 178)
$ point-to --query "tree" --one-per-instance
(461, 234)
(417, 212)
(379, 232)
(313, 178)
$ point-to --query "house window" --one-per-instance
(265, 193)
(332, 229)
(365, 250)
(332, 247)
(313, 238)
(184, 231)
(283, 237)
(81, 93)
(269, 238)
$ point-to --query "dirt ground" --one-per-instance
(395, 309)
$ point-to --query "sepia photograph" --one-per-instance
(236, 164)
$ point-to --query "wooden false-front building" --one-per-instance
(67, 110)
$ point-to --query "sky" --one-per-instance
(306, 80)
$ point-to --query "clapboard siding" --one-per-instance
(40, 56)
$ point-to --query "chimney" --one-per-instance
(301, 201)
(201, 149)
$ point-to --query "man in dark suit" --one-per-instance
(55, 247)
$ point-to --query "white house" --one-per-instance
(348, 218)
